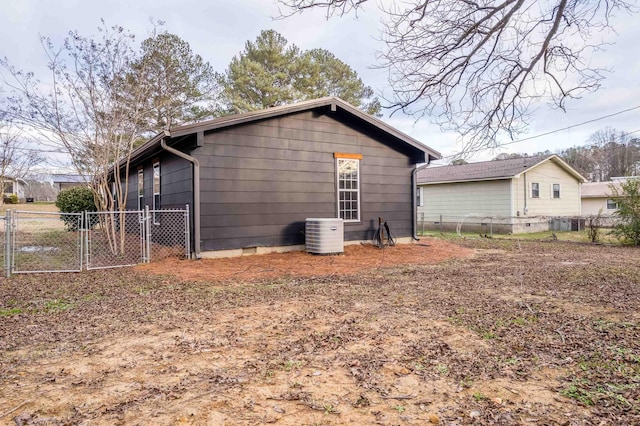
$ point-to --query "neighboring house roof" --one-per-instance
(489, 170)
(69, 178)
(331, 102)
(598, 189)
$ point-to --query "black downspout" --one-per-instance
(414, 204)
(196, 190)
(525, 211)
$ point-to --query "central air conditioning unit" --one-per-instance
(324, 235)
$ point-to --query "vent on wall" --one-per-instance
(324, 235)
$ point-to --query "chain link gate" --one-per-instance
(168, 234)
(115, 239)
(68, 242)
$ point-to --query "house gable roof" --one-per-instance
(331, 103)
(490, 170)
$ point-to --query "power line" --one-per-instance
(559, 130)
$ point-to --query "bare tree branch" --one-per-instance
(480, 67)
(16, 159)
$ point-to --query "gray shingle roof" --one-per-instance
(598, 189)
(487, 170)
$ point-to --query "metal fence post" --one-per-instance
(7, 244)
(12, 236)
(147, 232)
(187, 232)
(441, 224)
(82, 237)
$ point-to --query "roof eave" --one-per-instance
(466, 180)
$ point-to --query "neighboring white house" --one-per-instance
(14, 186)
(522, 192)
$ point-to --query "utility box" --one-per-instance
(324, 235)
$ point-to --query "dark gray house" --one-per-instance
(251, 179)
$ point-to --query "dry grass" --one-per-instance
(31, 207)
(520, 333)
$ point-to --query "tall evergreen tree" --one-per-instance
(182, 84)
(270, 72)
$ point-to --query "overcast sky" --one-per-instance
(218, 29)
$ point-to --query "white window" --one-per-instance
(156, 192)
(535, 190)
(556, 190)
(419, 197)
(348, 180)
(612, 205)
(114, 196)
(140, 189)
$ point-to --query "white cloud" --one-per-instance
(218, 30)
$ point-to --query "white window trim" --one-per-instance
(140, 196)
(114, 198)
(347, 190)
(420, 195)
(531, 190)
(559, 191)
(613, 202)
(156, 166)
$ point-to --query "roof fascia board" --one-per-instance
(467, 180)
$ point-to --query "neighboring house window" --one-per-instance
(348, 189)
(156, 192)
(419, 197)
(140, 189)
(535, 190)
(556, 190)
(612, 205)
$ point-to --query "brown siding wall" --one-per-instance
(260, 181)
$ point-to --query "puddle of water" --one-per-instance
(36, 249)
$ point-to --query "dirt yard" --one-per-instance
(477, 332)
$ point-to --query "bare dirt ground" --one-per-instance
(495, 332)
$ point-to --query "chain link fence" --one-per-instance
(4, 246)
(45, 242)
(68, 242)
(490, 225)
